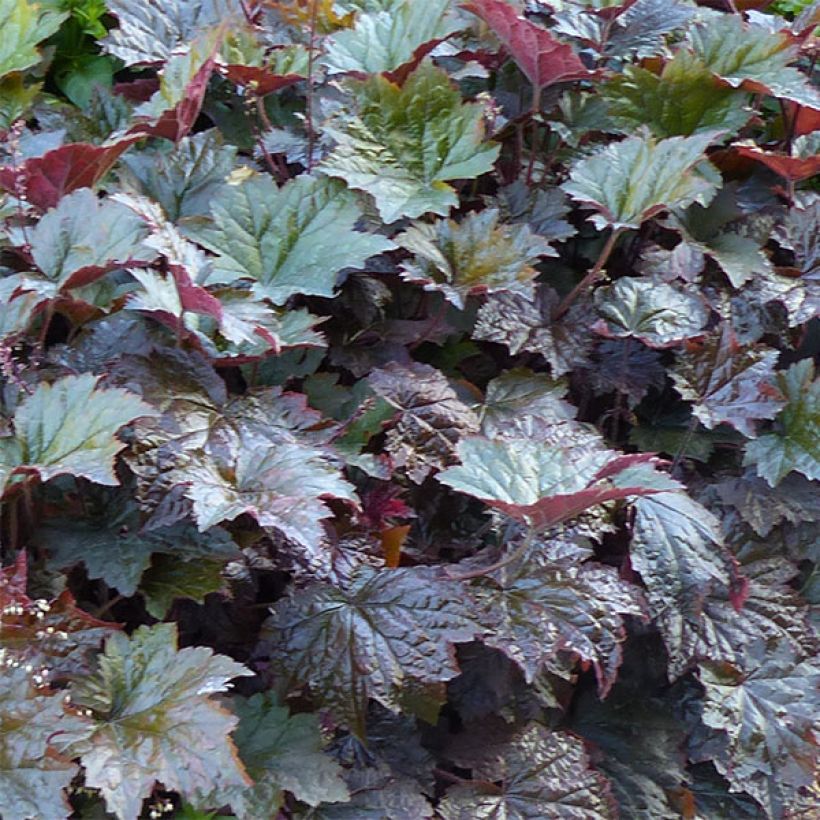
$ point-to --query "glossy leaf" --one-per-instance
(152, 719)
(288, 241)
(402, 145)
(24, 25)
(476, 255)
(392, 625)
(628, 182)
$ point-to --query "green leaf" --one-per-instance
(795, 443)
(682, 100)
(169, 578)
(368, 639)
(32, 776)
(151, 719)
(653, 311)
(24, 24)
(282, 753)
(83, 237)
(289, 240)
(476, 255)
(556, 607)
(544, 482)
(541, 774)
(768, 715)
(386, 40)
(70, 427)
(728, 384)
(402, 145)
(631, 181)
(752, 58)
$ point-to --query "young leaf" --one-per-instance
(543, 59)
(476, 255)
(151, 719)
(403, 144)
(560, 606)
(728, 384)
(541, 774)
(290, 240)
(281, 752)
(768, 712)
(631, 181)
(752, 58)
(542, 483)
(32, 777)
(387, 41)
(24, 25)
(650, 310)
(544, 210)
(795, 445)
(429, 418)
(682, 100)
(367, 639)
(70, 427)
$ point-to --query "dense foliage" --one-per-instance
(409, 409)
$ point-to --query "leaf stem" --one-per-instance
(587, 281)
(311, 134)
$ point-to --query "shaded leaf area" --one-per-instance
(147, 716)
(403, 145)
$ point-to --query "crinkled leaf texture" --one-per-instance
(795, 443)
(384, 41)
(560, 607)
(768, 711)
(32, 776)
(70, 426)
(631, 181)
(403, 144)
(152, 719)
(542, 483)
(368, 639)
(476, 255)
(541, 774)
(281, 752)
(288, 240)
(543, 59)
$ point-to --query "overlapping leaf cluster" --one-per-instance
(408, 409)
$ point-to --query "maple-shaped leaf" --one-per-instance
(539, 774)
(631, 181)
(24, 25)
(544, 210)
(795, 442)
(112, 545)
(653, 311)
(682, 100)
(429, 417)
(752, 58)
(677, 547)
(170, 578)
(149, 31)
(542, 483)
(32, 776)
(476, 255)
(151, 719)
(543, 59)
(281, 753)
(288, 240)
(521, 324)
(184, 179)
(560, 607)
(368, 639)
(728, 384)
(84, 237)
(44, 180)
(639, 27)
(768, 712)
(70, 426)
(391, 41)
(17, 306)
(403, 144)
(799, 232)
(623, 367)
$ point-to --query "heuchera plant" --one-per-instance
(409, 409)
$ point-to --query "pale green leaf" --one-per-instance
(24, 24)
